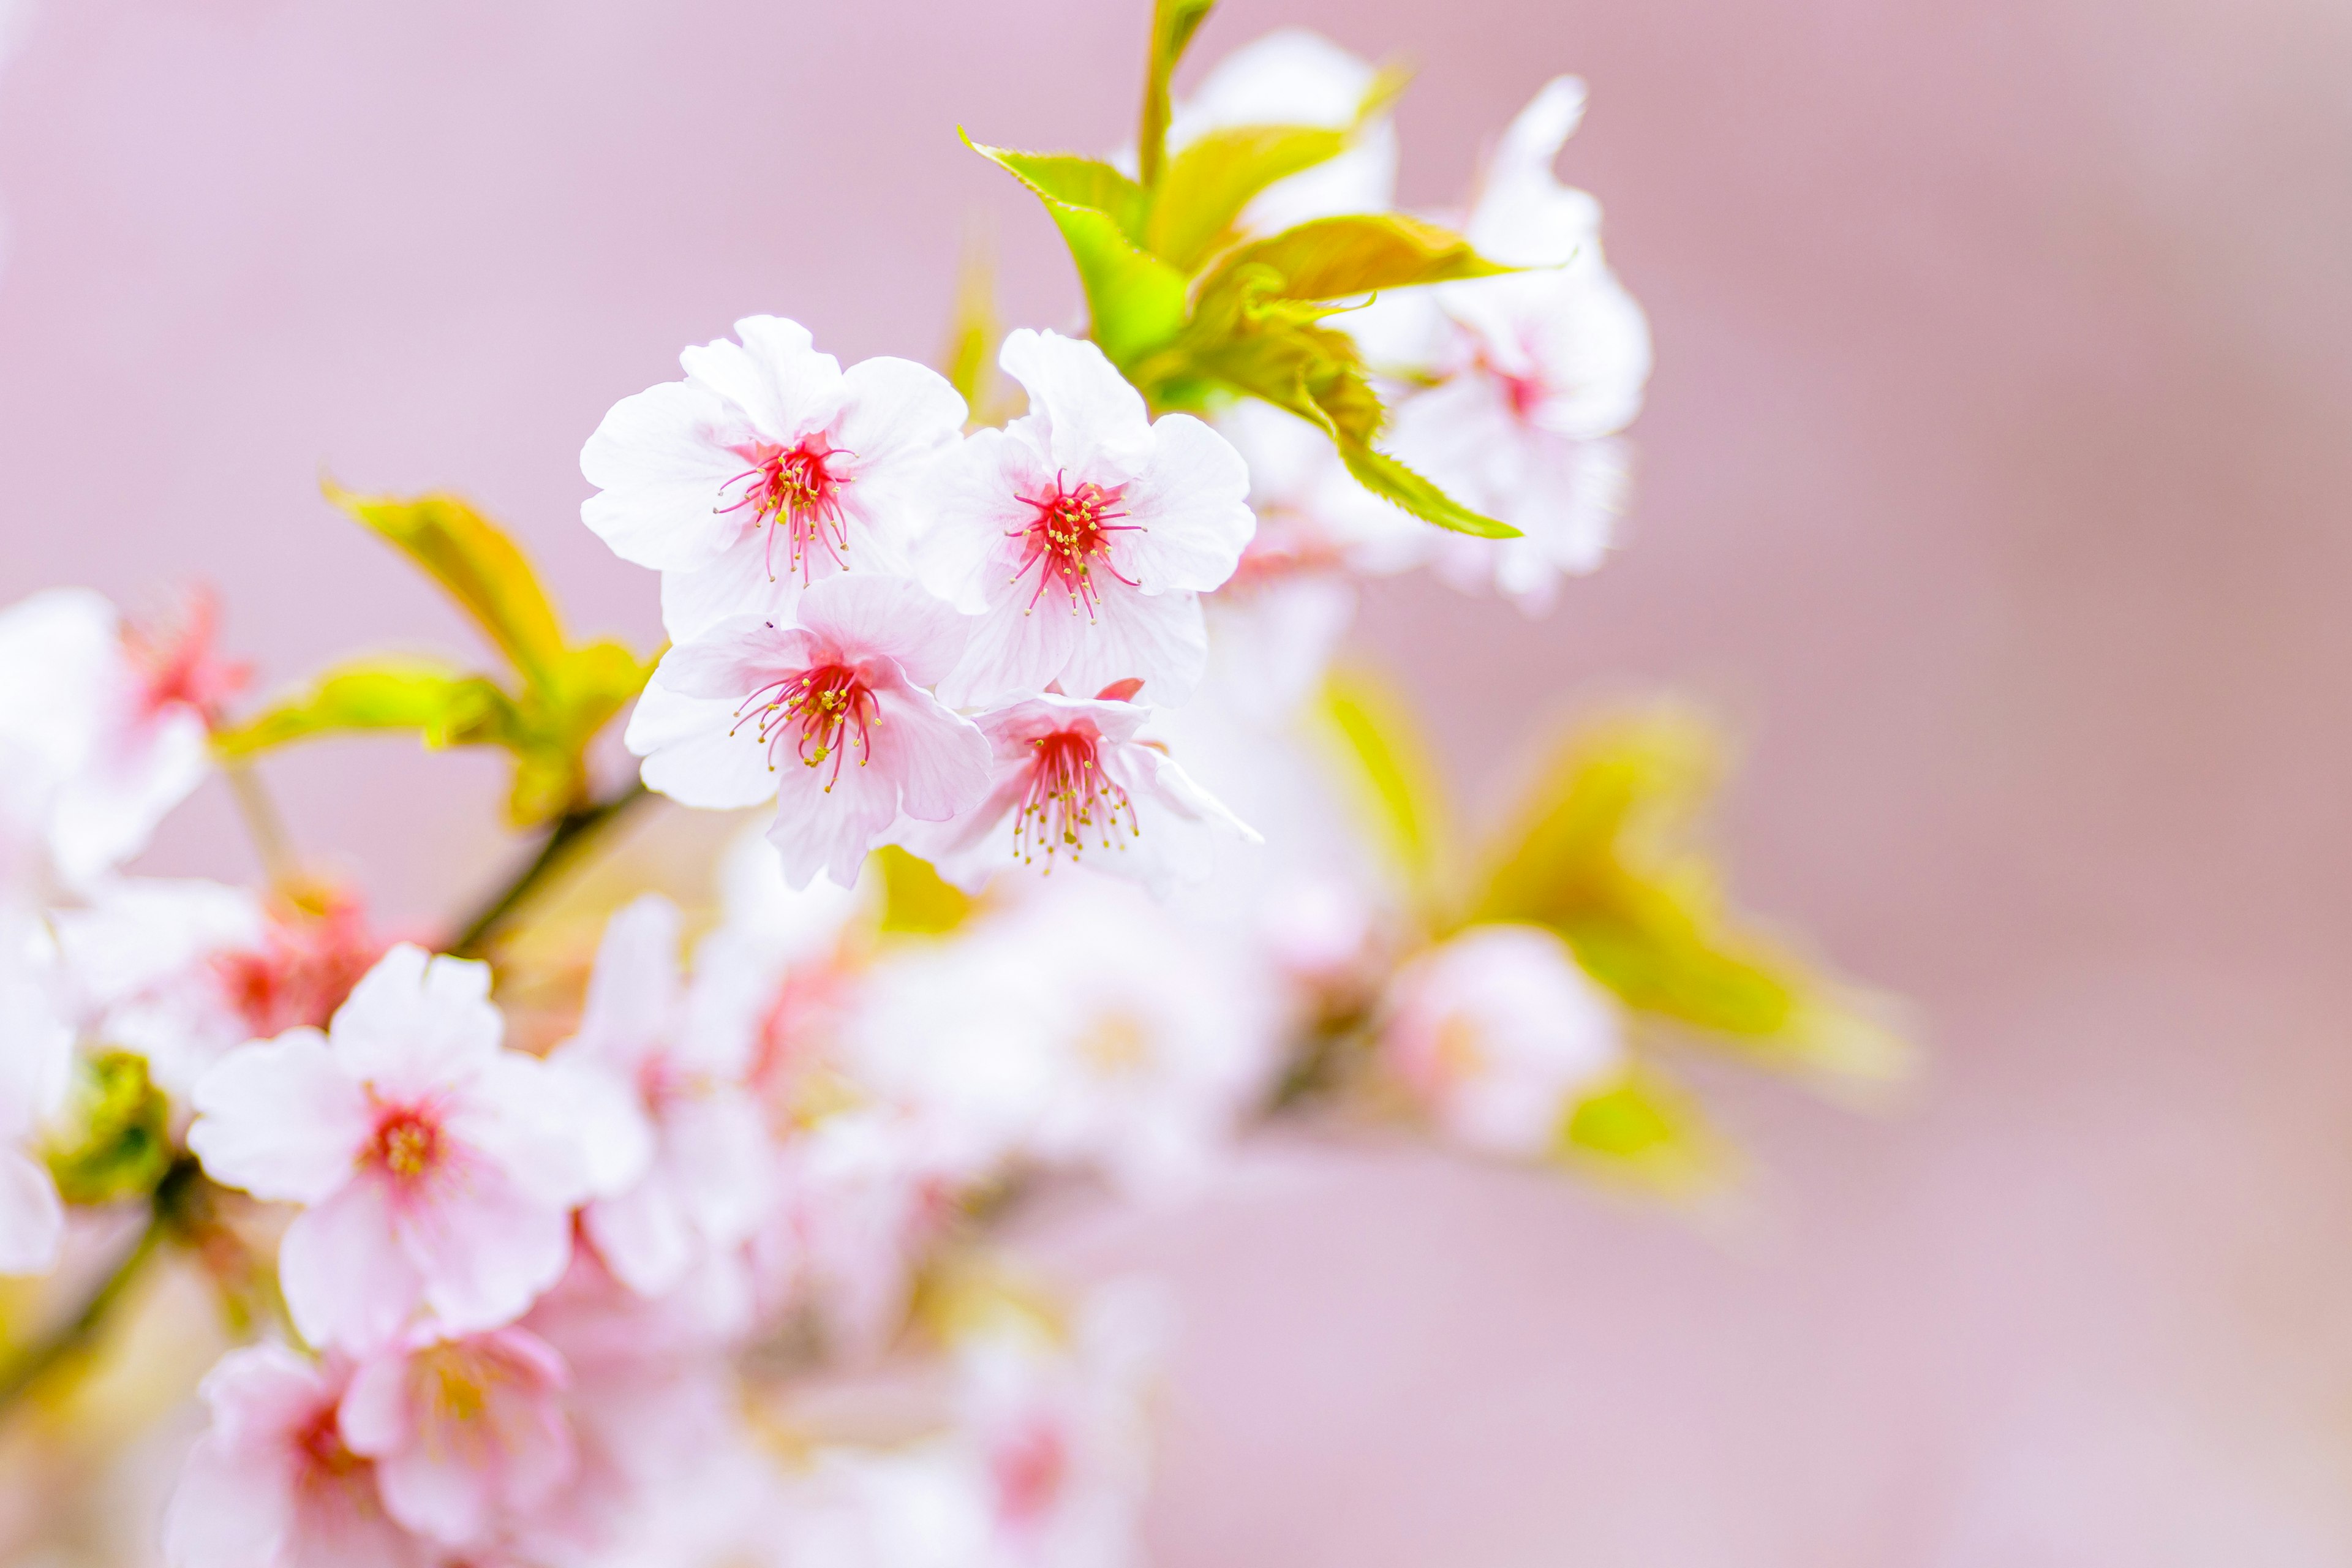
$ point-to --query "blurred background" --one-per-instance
(1993, 483)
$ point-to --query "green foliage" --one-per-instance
(1191, 317)
(1641, 1126)
(560, 696)
(916, 900)
(1604, 854)
(1389, 772)
(118, 1139)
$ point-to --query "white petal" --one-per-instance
(859, 616)
(895, 412)
(643, 1236)
(282, 1118)
(417, 1022)
(662, 461)
(939, 760)
(1160, 639)
(32, 1219)
(1014, 651)
(483, 1252)
(1093, 423)
(633, 992)
(562, 1131)
(826, 822)
(346, 1281)
(1193, 523)
(694, 755)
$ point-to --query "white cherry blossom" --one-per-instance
(1082, 535)
(1294, 77)
(1075, 785)
(768, 469)
(435, 1168)
(36, 1065)
(828, 717)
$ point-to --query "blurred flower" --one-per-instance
(1087, 501)
(726, 714)
(272, 1484)
(434, 1167)
(1075, 785)
(36, 1062)
(1294, 77)
(1497, 1034)
(768, 469)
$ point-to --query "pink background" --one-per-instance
(1995, 479)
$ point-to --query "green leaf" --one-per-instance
(1642, 1126)
(476, 563)
(442, 706)
(1174, 23)
(1604, 854)
(1209, 182)
(1136, 301)
(1340, 257)
(1389, 772)
(1077, 181)
(1390, 479)
(117, 1141)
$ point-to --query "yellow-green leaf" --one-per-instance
(476, 563)
(1393, 482)
(1642, 1126)
(1077, 181)
(1338, 257)
(1389, 771)
(442, 706)
(968, 361)
(1174, 23)
(916, 900)
(1210, 181)
(115, 1137)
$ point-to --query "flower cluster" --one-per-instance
(665, 1235)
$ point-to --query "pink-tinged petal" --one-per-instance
(775, 377)
(441, 1496)
(282, 1118)
(563, 1131)
(375, 1416)
(939, 760)
(969, 848)
(346, 1279)
(1089, 420)
(735, 657)
(60, 666)
(351, 1529)
(633, 992)
(32, 1219)
(751, 577)
(715, 1157)
(642, 1235)
(855, 616)
(230, 1509)
(695, 755)
(895, 412)
(975, 501)
(467, 1433)
(416, 1020)
(484, 1246)
(1161, 638)
(1013, 652)
(821, 829)
(660, 460)
(129, 786)
(1188, 501)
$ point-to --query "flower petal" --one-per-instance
(485, 1248)
(660, 460)
(280, 1119)
(347, 1281)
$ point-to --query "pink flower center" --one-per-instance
(1070, 799)
(305, 967)
(176, 665)
(795, 490)
(1029, 1469)
(828, 708)
(1069, 540)
(319, 1443)
(1524, 392)
(407, 1143)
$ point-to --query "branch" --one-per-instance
(570, 834)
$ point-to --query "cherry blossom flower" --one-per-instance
(1294, 77)
(108, 724)
(1075, 785)
(182, 971)
(273, 1484)
(680, 1054)
(1498, 1034)
(1539, 369)
(1084, 505)
(35, 1064)
(1084, 1025)
(768, 469)
(469, 1433)
(434, 1168)
(727, 716)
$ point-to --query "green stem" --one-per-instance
(163, 1218)
(568, 838)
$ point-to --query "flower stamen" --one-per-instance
(1069, 540)
(1070, 800)
(794, 489)
(829, 707)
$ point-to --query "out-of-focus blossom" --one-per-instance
(1535, 372)
(1082, 535)
(182, 971)
(680, 1055)
(273, 1484)
(435, 1167)
(830, 717)
(107, 726)
(768, 469)
(469, 1433)
(1083, 1026)
(35, 1063)
(1498, 1034)
(1294, 77)
(1075, 785)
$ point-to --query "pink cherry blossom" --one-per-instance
(106, 725)
(272, 1483)
(1083, 535)
(829, 717)
(1075, 785)
(1498, 1034)
(768, 469)
(680, 1055)
(36, 1062)
(469, 1433)
(1538, 372)
(434, 1167)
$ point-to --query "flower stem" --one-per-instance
(164, 1217)
(570, 834)
(263, 825)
